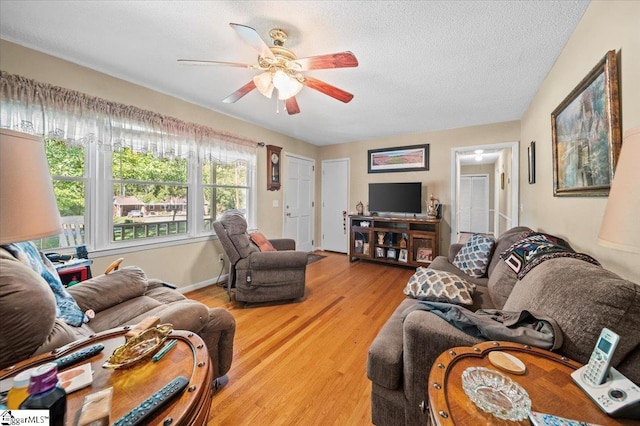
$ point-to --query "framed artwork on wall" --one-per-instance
(273, 167)
(531, 151)
(585, 132)
(400, 159)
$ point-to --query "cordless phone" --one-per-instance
(608, 388)
(598, 366)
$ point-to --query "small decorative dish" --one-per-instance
(496, 393)
(138, 348)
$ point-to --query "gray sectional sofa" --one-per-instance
(581, 297)
(124, 297)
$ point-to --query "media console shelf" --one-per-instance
(398, 241)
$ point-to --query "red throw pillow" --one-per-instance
(261, 241)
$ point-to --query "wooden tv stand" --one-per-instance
(397, 241)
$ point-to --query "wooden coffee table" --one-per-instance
(547, 380)
(132, 386)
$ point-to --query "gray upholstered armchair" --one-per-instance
(260, 276)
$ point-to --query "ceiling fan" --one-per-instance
(282, 70)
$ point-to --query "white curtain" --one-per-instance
(40, 108)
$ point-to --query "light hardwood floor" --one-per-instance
(304, 363)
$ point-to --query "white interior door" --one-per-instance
(474, 203)
(335, 203)
(464, 204)
(512, 197)
(299, 201)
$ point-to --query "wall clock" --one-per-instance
(274, 162)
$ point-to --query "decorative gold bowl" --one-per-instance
(139, 348)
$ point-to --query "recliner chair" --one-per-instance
(260, 276)
(31, 324)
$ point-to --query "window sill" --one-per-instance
(145, 246)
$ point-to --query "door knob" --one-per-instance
(288, 214)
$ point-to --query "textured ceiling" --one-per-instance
(424, 65)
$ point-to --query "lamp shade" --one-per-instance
(28, 208)
(263, 83)
(291, 88)
(620, 227)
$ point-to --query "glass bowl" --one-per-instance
(496, 393)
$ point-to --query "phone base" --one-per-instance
(617, 396)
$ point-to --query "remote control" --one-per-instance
(145, 409)
(76, 357)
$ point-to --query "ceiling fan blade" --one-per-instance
(332, 60)
(251, 36)
(292, 106)
(235, 96)
(327, 89)
(202, 62)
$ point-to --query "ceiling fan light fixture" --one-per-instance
(287, 85)
(281, 69)
(264, 84)
(290, 89)
(280, 80)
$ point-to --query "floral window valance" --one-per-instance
(77, 118)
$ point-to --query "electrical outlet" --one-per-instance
(221, 258)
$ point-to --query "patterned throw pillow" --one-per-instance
(439, 286)
(473, 257)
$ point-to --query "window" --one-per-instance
(150, 196)
(225, 186)
(68, 171)
(125, 176)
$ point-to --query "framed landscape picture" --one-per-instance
(585, 132)
(400, 159)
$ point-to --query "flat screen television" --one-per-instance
(404, 197)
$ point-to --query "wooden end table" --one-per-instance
(547, 380)
(132, 386)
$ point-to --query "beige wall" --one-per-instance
(606, 25)
(505, 213)
(437, 180)
(187, 264)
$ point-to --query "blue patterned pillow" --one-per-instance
(473, 257)
(439, 286)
